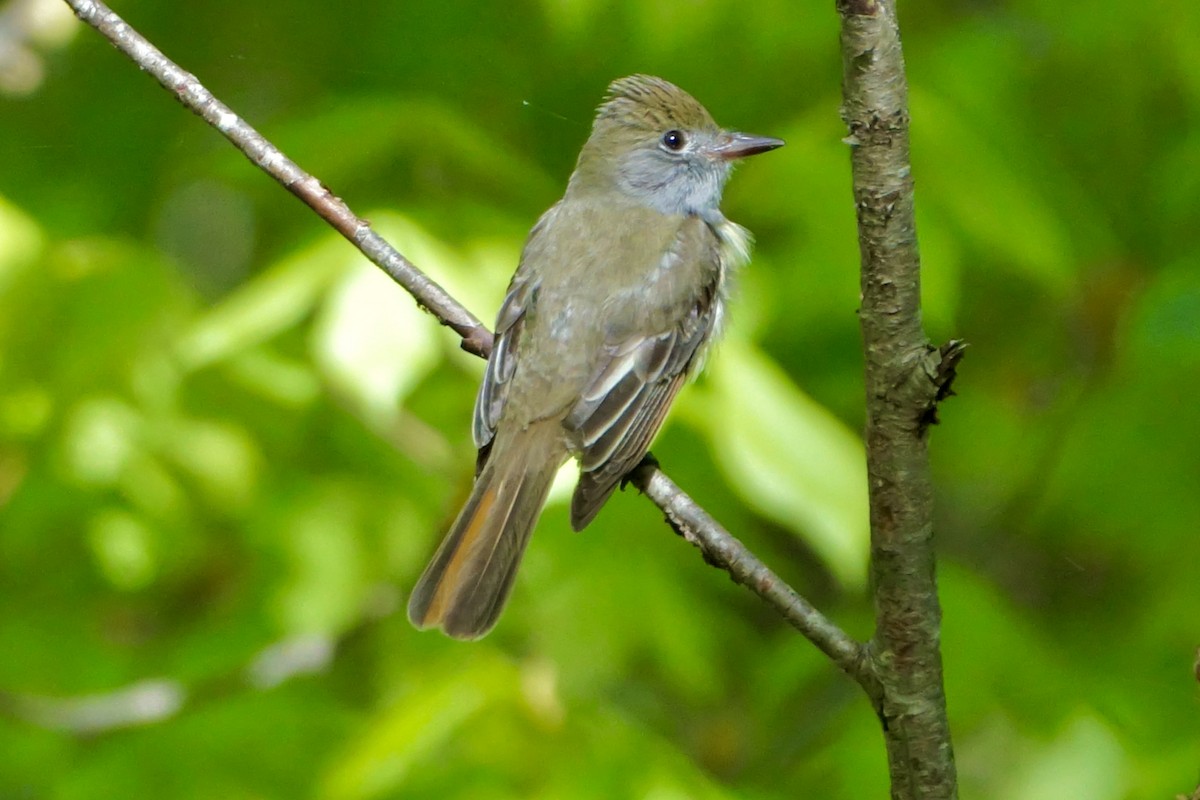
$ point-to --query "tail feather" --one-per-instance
(465, 586)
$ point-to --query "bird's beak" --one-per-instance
(739, 145)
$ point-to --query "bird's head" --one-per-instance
(657, 146)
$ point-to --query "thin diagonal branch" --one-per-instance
(720, 548)
(476, 338)
(723, 550)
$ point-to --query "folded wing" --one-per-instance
(626, 401)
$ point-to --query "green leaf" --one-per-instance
(405, 733)
(983, 194)
(20, 242)
(271, 303)
(790, 458)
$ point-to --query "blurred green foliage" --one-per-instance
(221, 430)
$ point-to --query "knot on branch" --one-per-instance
(639, 477)
(939, 367)
(476, 340)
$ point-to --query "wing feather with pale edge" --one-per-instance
(502, 363)
(625, 403)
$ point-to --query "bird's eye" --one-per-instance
(674, 140)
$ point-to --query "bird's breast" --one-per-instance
(606, 274)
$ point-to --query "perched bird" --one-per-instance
(621, 285)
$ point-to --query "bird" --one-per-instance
(621, 286)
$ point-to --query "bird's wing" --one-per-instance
(627, 399)
(502, 363)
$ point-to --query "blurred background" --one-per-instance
(228, 445)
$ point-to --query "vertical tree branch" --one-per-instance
(905, 379)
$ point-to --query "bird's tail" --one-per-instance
(464, 588)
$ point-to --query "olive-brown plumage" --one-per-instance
(621, 286)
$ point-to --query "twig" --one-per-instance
(905, 379)
(141, 703)
(476, 338)
(724, 551)
(147, 702)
